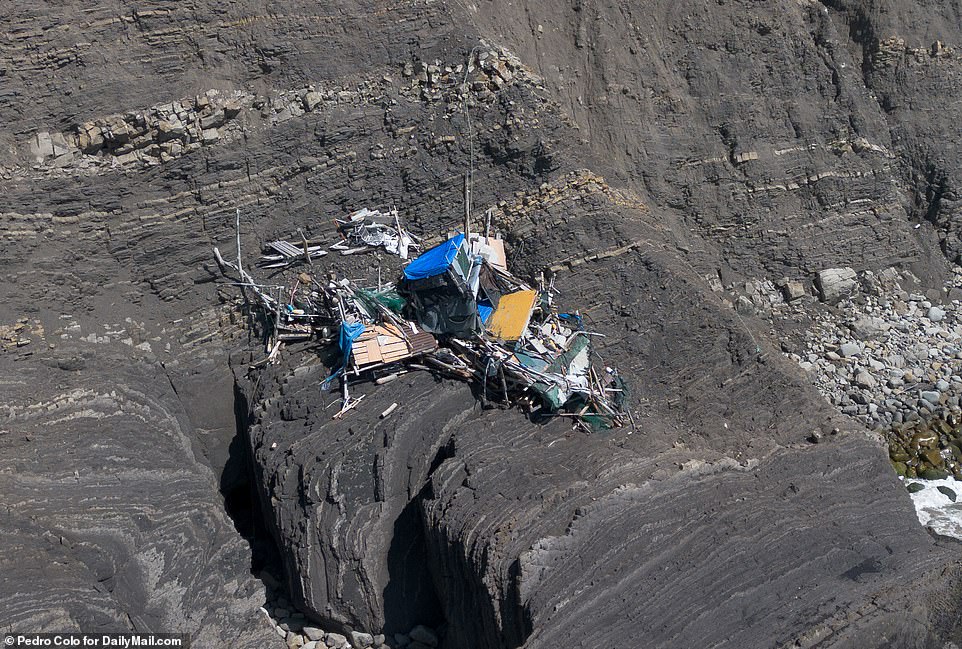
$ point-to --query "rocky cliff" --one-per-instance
(664, 159)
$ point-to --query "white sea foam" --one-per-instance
(936, 510)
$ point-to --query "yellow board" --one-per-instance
(511, 317)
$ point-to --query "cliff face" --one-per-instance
(655, 155)
(810, 140)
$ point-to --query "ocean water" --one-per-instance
(936, 510)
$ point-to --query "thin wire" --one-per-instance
(467, 119)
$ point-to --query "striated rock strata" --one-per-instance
(674, 164)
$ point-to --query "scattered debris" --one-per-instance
(281, 254)
(456, 312)
(367, 229)
(391, 408)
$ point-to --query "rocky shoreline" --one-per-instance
(892, 359)
(300, 633)
(884, 355)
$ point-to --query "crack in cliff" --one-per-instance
(238, 487)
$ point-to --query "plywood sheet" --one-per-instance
(511, 317)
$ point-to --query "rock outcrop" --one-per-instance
(683, 170)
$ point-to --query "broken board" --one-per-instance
(511, 317)
(386, 344)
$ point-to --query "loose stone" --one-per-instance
(948, 492)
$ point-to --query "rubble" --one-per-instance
(488, 71)
(366, 229)
(298, 631)
(456, 311)
(281, 254)
(163, 132)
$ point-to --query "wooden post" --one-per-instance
(307, 254)
(240, 268)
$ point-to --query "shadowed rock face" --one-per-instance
(737, 141)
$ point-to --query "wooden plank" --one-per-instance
(374, 351)
(287, 248)
(290, 247)
(284, 248)
(393, 330)
(360, 354)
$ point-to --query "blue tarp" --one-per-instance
(573, 317)
(485, 310)
(349, 333)
(435, 261)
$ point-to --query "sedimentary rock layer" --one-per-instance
(661, 159)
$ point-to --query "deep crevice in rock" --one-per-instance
(410, 594)
(241, 502)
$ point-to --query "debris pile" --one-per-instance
(367, 229)
(488, 71)
(456, 311)
(281, 254)
(892, 357)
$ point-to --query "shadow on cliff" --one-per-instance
(238, 488)
(433, 581)
(410, 596)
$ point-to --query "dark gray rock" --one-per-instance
(784, 145)
(424, 635)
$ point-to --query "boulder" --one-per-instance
(865, 380)
(313, 633)
(836, 283)
(232, 108)
(214, 120)
(311, 100)
(89, 138)
(868, 327)
(793, 290)
(335, 640)
(117, 131)
(422, 634)
(849, 349)
(170, 130)
(42, 146)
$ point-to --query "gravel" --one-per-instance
(886, 356)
